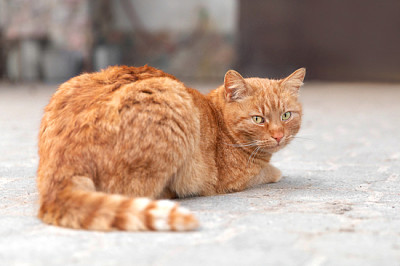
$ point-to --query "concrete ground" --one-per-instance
(338, 203)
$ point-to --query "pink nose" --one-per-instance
(277, 136)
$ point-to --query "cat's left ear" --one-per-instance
(235, 86)
(294, 81)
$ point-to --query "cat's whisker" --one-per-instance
(242, 145)
(253, 155)
(257, 150)
(302, 138)
(247, 144)
(266, 144)
(248, 161)
(251, 143)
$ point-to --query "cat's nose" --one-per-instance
(277, 136)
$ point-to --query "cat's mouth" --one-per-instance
(275, 146)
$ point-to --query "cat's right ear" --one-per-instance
(235, 86)
(294, 81)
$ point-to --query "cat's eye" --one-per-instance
(286, 116)
(258, 119)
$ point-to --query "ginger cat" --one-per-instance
(111, 143)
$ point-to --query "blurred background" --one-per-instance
(344, 40)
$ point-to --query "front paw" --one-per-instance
(275, 174)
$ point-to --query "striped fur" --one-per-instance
(80, 206)
(115, 145)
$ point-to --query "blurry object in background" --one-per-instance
(23, 61)
(2, 56)
(60, 64)
(69, 27)
(33, 29)
(194, 39)
(106, 43)
(2, 47)
(25, 19)
(106, 55)
(23, 24)
(335, 40)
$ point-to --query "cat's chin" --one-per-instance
(273, 150)
(276, 148)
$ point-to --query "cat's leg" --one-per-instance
(138, 182)
(159, 130)
(269, 174)
(168, 194)
(150, 166)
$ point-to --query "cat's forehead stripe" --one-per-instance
(269, 94)
(270, 101)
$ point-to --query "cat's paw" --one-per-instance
(275, 174)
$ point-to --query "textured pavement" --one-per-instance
(338, 203)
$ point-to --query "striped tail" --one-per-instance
(78, 205)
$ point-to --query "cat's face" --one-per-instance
(263, 114)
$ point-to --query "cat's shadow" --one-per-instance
(287, 185)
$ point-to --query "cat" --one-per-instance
(115, 145)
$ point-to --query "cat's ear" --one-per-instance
(294, 81)
(235, 86)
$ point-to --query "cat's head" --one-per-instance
(262, 112)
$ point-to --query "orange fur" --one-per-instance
(112, 143)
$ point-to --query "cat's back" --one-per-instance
(92, 94)
(86, 90)
(117, 105)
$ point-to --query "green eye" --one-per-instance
(258, 119)
(286, 116)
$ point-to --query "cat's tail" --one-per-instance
(78, 205)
